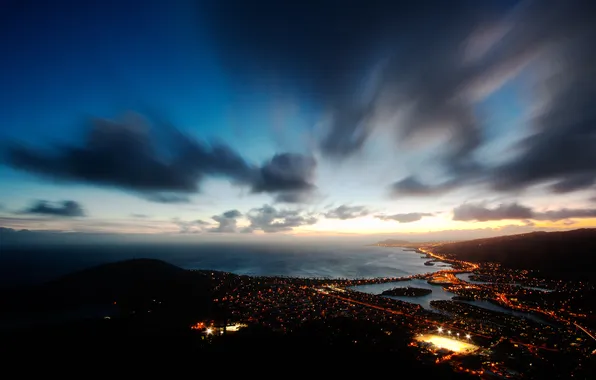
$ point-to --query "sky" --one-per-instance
(259, 120)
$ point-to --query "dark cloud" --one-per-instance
(404, 218)
(423, 70)
(130, 155)
(480, 212)
(562, 148)
(227, 221)
(160, 163)
(361, 58)
(344, 212)
(269, 219)
(65, 208)
(290, 175)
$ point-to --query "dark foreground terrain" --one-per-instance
(150, 312)
(149, 307)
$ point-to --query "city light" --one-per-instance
(448, 344)
(440, 329)
(208, 331)
(468, 336)
(449, 332)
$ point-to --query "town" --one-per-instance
(546, 330)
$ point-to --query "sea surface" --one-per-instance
(38, 264)
(319, 262)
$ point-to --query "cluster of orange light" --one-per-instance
(198, 326)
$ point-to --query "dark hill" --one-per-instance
(570, 254)
(117, 279)
(131, 285)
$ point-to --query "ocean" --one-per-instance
(20, 265)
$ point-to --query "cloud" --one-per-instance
(167, 198)
(140, 216)
(480, 212)
(424, 75)
(344, 212)
(127, 154)
(192, 227)
(404, 218)
(294, 197)
(290, 175)
(411, 186)
(359, 60)
(161, 164)
(269, 219)
(227, 221)
(565, 213)
(69, 209)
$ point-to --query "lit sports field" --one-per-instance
(454, 345)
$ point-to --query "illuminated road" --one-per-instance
(584, 330)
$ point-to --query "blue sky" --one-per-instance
(454, 131)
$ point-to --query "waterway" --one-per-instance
(438, 294)
(466, 277)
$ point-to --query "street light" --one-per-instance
(208, 331)
(440, 329)
(468, 336)
(449, 332)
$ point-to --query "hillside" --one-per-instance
(569, 253)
